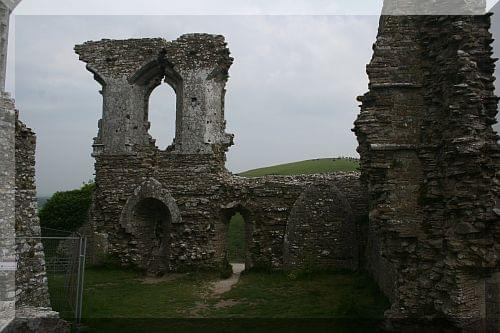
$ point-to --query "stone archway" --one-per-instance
(153, 220)
(148, 217)
(227, 214)
(321, 231)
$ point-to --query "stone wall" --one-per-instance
(24, 291)
(37, 320)
(321, 231)
(299, 208)
(200, 198)
(31, 280)
(7, 208)
(169, 210)
(430, 160)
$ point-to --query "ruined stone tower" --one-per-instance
(127, 161)
(195, 66)
(167, 210)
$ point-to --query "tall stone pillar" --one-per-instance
(7, 179)
(7, 211)
(6, 8)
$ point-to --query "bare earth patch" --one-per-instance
(216, 289)
(223, 286)
(198, 308)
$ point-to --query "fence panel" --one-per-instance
(64, 264)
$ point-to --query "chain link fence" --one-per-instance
(64, 254)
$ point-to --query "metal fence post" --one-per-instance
(81, 274)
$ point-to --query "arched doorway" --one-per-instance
(152, 219)
(238, 228)
(147, 219)
(321, 233)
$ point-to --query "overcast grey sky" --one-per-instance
(291, 95)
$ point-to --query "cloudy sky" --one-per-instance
(291, 94)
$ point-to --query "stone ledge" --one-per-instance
(394, 85)
(39, 320)
(395, 146)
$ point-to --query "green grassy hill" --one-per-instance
(41, 201)
(320, 165)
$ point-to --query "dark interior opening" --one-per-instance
(153, 220)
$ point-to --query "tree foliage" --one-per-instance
(67, 210)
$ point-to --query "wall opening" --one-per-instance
(236, 239)
(162, 115)
(237, 236)
(152, 219)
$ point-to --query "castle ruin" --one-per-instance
(428, 188)
(428, 185)
(168, 210)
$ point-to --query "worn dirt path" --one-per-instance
(223, 286)
(216, 289)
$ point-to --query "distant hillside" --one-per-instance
(41, 201)
(322, 165)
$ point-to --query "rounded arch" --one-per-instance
(147, 217)
(152, 72)
(321, 230)
(150, 189)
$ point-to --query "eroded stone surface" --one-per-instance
(37, 320)
(320, 232)
(7, 208)
(31, 279)
(26, 285)
(430, 160)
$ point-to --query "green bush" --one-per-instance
(67, 210)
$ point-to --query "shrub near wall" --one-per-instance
(67, 210)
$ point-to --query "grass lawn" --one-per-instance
(321, 165)
(113, 297)
(314, 295)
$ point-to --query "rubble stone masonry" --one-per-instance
(31, 280)
(430, 159)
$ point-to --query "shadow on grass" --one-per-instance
(254, 325)
(325, 301)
